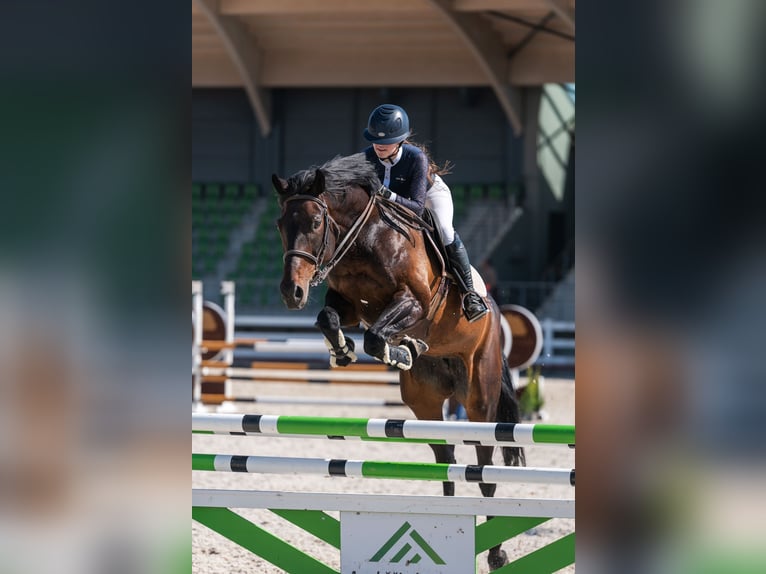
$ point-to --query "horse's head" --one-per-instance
(305, 229)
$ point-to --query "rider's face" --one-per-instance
(383, 151)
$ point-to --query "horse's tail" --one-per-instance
(508, 412)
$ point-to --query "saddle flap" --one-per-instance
(438, 242)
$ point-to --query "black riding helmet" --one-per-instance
(387, 124)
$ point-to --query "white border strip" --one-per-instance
(462, 505)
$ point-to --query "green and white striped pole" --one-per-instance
(454, 432)
(381, 469)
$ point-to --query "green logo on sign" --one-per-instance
(405, 545)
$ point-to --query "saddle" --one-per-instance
(399, 218)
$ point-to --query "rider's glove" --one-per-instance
(387, 193)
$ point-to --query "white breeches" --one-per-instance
(439, 200)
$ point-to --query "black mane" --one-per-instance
(340, 172)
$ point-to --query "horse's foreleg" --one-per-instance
(403, 312)
(329, 322)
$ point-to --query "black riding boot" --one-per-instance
(473, 305)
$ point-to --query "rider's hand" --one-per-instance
(385, 192)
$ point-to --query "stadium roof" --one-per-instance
(264, 44)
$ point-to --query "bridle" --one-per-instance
(320, 273)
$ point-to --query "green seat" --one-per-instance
(270, 212)
(234, 219)
(213, 191)
(244, 291)
(251, 191)
(210, 266)
(459, 206)
(219, 250)
(209, 204)
(242, 205)
(458, 192)
(217, 219)
(228, 205)
(495, 191)
(231, 191)
(196, 191)
(476, 191)
(221, 238)
(244, 265)
(205, 234)
(262, 233)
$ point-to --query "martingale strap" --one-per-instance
(321, 273)
(346, 243)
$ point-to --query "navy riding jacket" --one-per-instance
(408, 177)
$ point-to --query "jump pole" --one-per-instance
(228, 290)
(197, 340)
(453, 432)
(364, 532)
(324, 401)
(245, 375)
(381, 469)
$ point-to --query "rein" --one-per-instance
(321, 272)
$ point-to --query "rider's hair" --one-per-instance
(433, 167)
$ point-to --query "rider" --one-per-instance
(411, 179)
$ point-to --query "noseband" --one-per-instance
(342, 248)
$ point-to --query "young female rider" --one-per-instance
(410, 178)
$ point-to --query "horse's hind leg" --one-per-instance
(487, 401)
(424, 389)
(497, 557)
(337, 312)
(508, 412)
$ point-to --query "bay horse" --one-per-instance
(381, 272)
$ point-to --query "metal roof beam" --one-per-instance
(245, 56)
(487, 48)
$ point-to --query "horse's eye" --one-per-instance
(316, 223)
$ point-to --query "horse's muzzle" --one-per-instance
(293, 295)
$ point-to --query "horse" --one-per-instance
(382, 271)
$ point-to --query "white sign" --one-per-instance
(382, 543)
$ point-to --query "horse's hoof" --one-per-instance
(343, 356)
(498, 560)
(399, 357)
(416, 346)
(343, 361)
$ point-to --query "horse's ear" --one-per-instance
(318, 186)
(279, 184)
